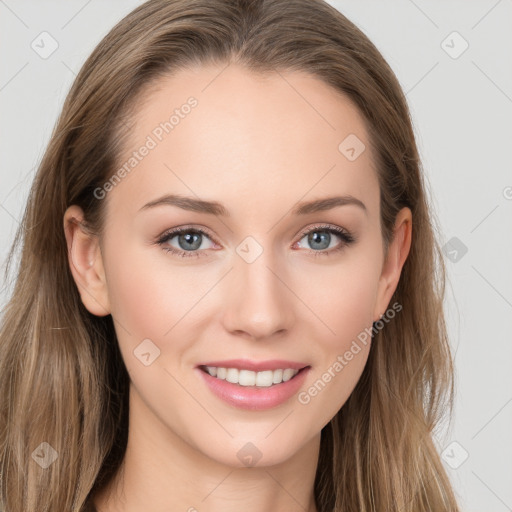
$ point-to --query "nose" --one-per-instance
(258, 302)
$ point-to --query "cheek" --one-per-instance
(343, 297)
(134, 303)
(345, 304)
(141, 298)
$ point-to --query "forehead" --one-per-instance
(244, 138)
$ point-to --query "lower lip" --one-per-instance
(255, 399)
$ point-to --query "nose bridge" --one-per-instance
(259, 302)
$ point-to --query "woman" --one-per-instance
(221, 300)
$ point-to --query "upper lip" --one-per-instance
(256, 366)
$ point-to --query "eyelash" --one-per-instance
(345, 236)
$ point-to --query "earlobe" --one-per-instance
(86, 264)
(397, 254)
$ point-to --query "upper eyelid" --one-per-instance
(171, 233)
(325, 227)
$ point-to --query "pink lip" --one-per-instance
(251, 397)
(256, 366)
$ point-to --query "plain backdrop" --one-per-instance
(454, 61)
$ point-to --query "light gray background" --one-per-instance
(462, 111)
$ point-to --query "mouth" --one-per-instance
(254, 385)
(254, 379)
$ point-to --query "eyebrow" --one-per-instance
(216, 208)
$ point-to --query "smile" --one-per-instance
(266, 378)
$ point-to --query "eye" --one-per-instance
(189, 241)
(320, 238)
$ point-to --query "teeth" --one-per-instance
(277, 377)
(232, 375)
(265, 378)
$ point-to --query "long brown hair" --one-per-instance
(62, 378)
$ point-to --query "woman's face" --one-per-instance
(263, 281)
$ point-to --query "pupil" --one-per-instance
(314, 238)
(188, 240)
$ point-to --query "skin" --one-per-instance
(258, 145)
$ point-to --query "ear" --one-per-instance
(86, 264)
(397, 254)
